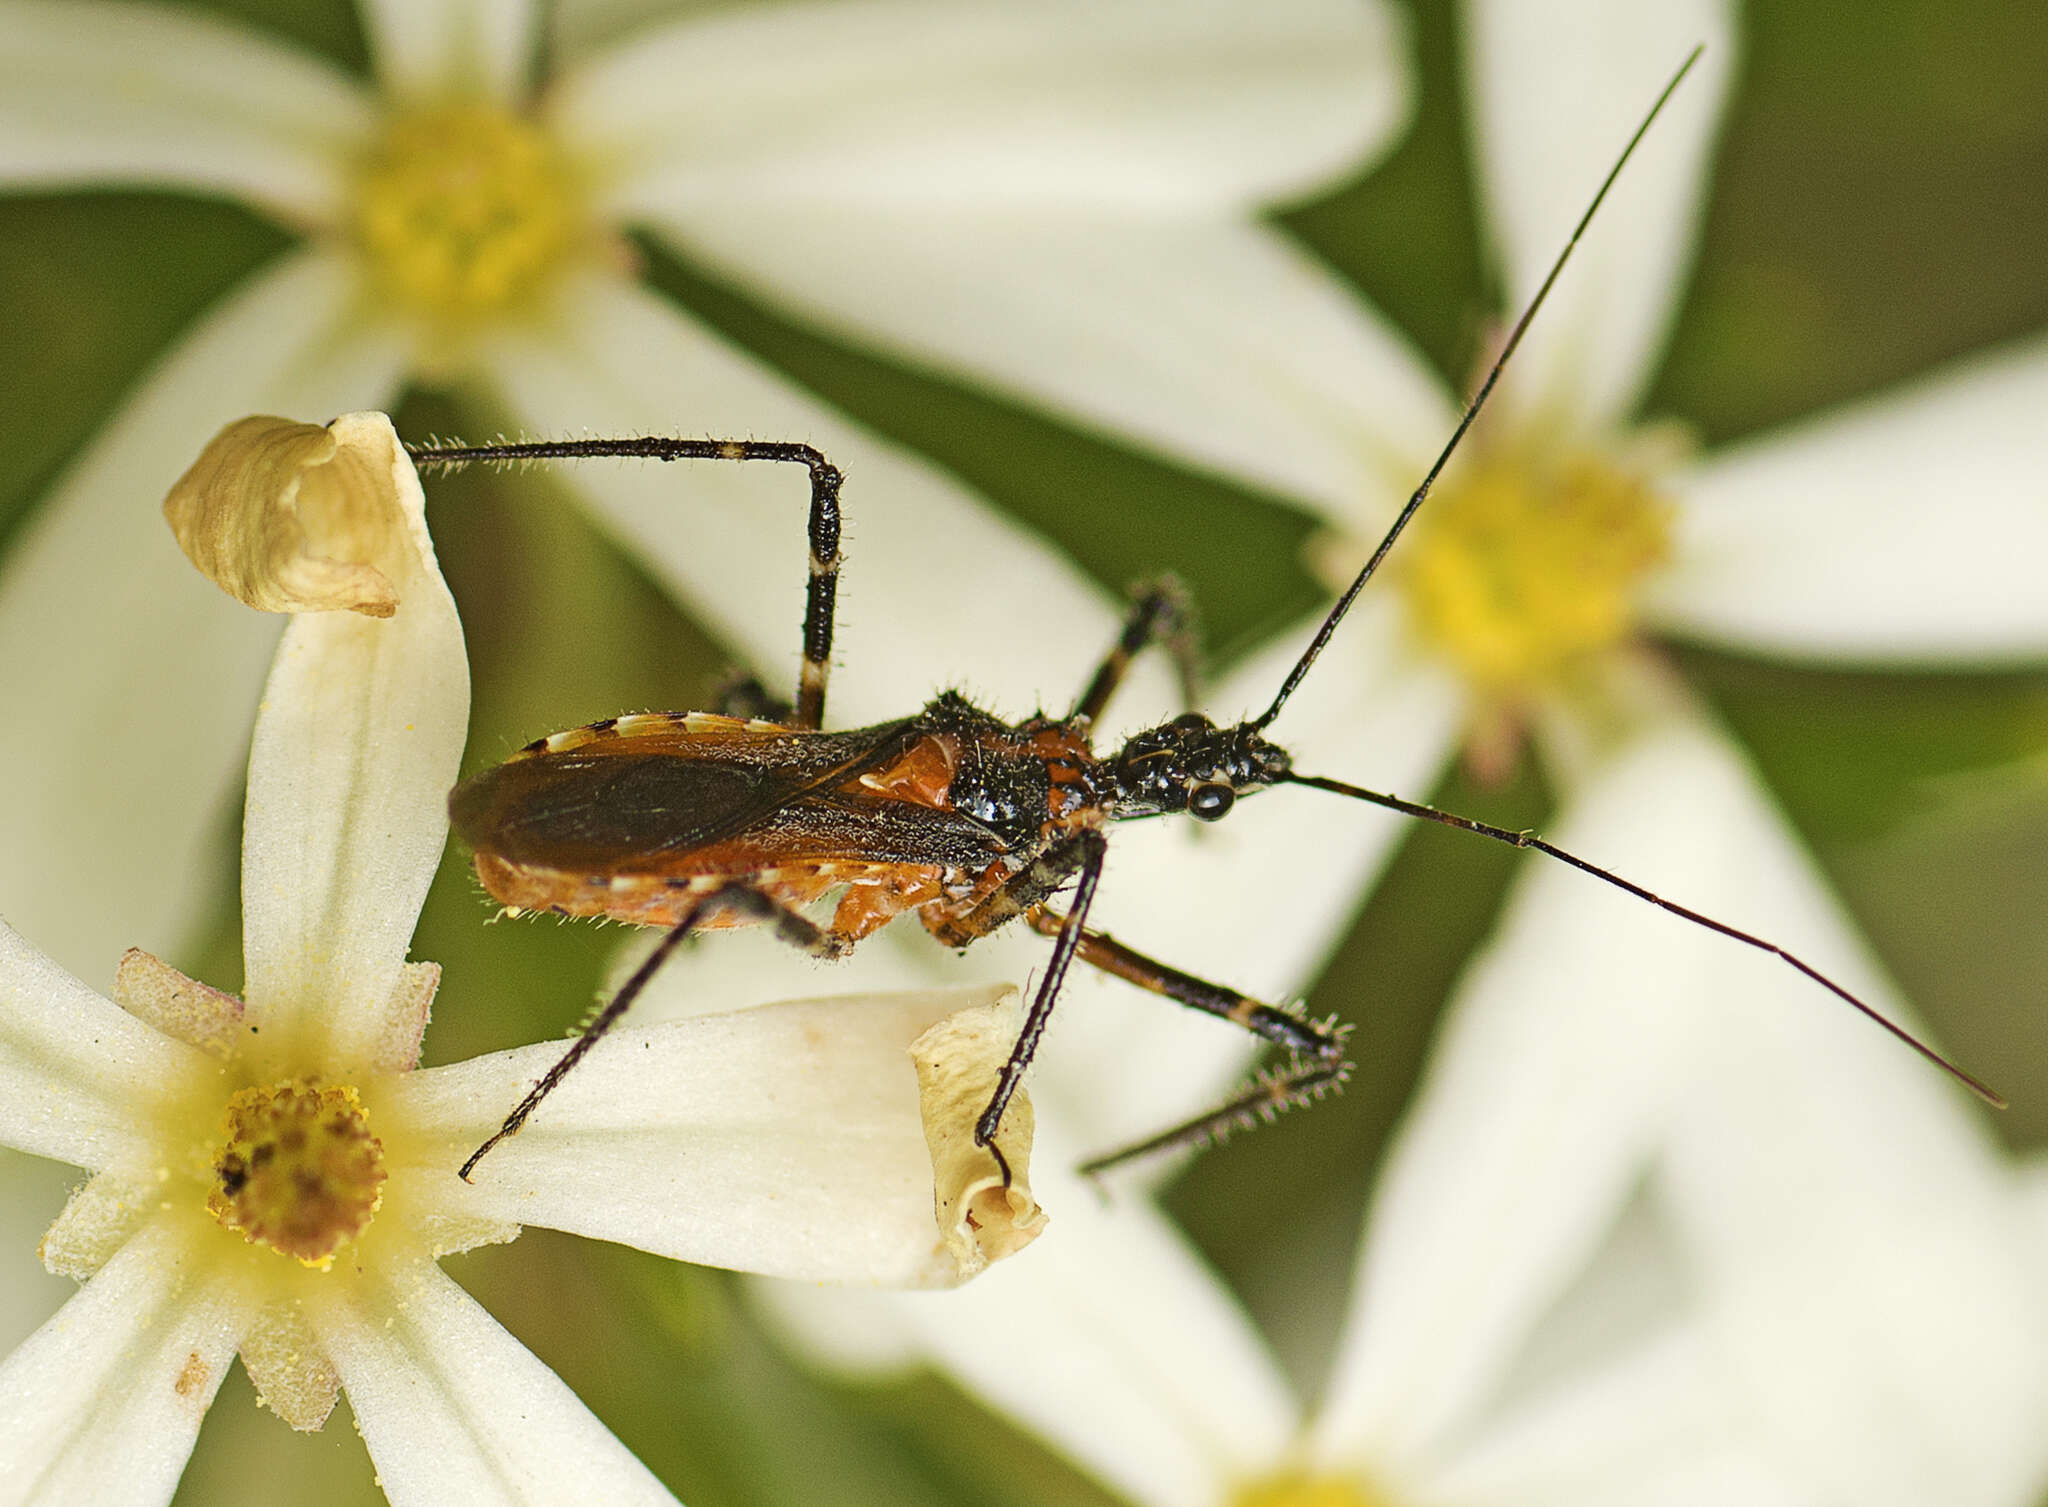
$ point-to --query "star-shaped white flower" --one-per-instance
(462, 220)
(1847, 1225)
(272, 1177)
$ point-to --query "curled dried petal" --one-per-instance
(984, 1215)
(291, 517)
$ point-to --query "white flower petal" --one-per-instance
(118, 642)
(1906, 529)
(1131, 107)
(456, 1412)
(784, 1139)
(357, 743)
(853, 1334)
(103, 1402)
(81, 1080)
(1543, 1098)
(1656, 1428)
(1216, 340)
(1853, 1232)
(1112, 1340)
(426, 48)
(133, 94)
(614, 359)
(1556, 90)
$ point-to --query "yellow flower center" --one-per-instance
(1519, 572)
(297, 1169)
(1294, 1490)
(465, 211)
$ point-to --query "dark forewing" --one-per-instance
(639, 803)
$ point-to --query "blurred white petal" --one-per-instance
(1556, 91)
(1217, 340)
(119, 643)
(81, 1080)
(103, 1402)
(1905, 529)
(138, 95)
(730, 537)
(477, 48)
(853, 1333)
(1541, 1107)
(358, 741)
(1132, 107)
(456, 1412)
(1854, 1232)
(784, 1139)
(1655, 1428)
(1111, 1340)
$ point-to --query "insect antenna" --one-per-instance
(1528, 840)
(1531, 841)
(1343, 603)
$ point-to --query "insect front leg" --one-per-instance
(1160, 613)
(1315, 1048)
(740, 897)
(1080, 854)
(820, 595)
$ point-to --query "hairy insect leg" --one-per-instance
(822, 593)
(735, 896)
(1272, 1092)
(1300, 1036)
(1160, 613)
(1315, 1048)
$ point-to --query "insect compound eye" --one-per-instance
(1208, 802)
(1192, 722)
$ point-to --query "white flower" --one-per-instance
(1847, 1229)
(271, 1176)
(1537, 1320)
(462, 221)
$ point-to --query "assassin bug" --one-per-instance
(698, 821)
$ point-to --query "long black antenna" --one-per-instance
(1336, 614)
(1532, 841)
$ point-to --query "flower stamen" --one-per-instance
(297, 1169)
(1519, 571)
(464, 211)
(1296, 1489)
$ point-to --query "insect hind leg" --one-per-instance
(820, 596)
(1316, 1059)
(736, 896)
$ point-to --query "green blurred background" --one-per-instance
(1878, 207)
